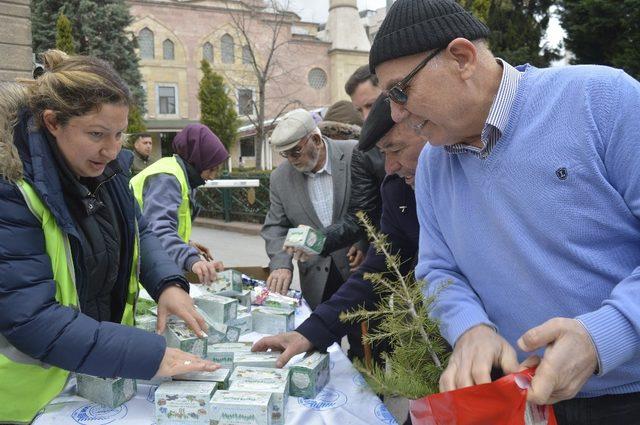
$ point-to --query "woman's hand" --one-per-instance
(206, 270)
(174, 300)
(176, 362)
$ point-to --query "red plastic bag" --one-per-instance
(503, 402)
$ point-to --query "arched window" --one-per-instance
(168, 50)
(145, 41)
(227, 49)
(317, 78)
(207, 52)
(246, 55)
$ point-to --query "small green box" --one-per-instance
(219, 309)
(178, 335)
(244, 299)
(240, 408)
(280, 302)
(224, 353)
(268, 381)
(110, 392)
(306, 239)
(258, 359)
(309, 375)
(221, 376)
(180, 402)
(244, 322)
(229, 282)
(219, 332)
(272, 321)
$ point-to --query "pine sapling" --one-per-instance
(417, 352)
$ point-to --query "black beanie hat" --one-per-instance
(416, 26)
(377, 124)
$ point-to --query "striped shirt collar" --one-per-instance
(498, 116)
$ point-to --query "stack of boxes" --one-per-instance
(248, 389)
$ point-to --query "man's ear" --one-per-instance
(465, 54)
(51, 121)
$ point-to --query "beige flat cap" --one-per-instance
(291, 128)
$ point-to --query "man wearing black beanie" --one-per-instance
(529, 206)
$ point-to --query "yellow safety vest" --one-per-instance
(26, 384)
(167, 165)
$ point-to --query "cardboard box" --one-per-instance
(178, 335)
(229, 282)
(272, 321)
(219, 308)
(280, 302)
(110, 392)
(306, 239)
(220, 376)
(244, 322)
(224, 353)
(272, 384)
(259, 359)
(258, 374)
(309, 375)
(241, 408)
(244, 298)
(184, 402)
(219, 332)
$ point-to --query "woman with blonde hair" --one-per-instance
(73, 245)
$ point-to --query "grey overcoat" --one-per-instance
(291, 206)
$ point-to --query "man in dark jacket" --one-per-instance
(367, 173)
(399, 221)
(141, 145)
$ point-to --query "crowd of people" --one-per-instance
(515, 186)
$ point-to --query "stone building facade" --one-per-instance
(15, 40)
(310, 68)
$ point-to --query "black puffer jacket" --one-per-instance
(367, 174)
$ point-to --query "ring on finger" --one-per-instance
(187, 362)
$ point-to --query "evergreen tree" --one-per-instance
(417, 355)
(603, 32)
(517, 29)
(217, 110)
(100, 29)
(64, 39)
(136, 122)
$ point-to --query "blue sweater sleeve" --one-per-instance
(457, 307)
(35, 323)
(324, 326)
(615, 326)
(162, 199)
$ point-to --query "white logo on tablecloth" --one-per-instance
(359, 381)
(96, 414)
(327, 399)
(384, 415)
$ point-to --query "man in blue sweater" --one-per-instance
(399, 221)
(528, 198)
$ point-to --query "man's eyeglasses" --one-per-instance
(296, 151)
(397, 93)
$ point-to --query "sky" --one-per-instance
(317, 10)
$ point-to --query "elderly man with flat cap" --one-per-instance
(399, 222)
(310, 188)
(528, 197)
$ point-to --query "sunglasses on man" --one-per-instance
(295, 152)
(397, 93)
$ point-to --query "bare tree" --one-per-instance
(260, 50)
